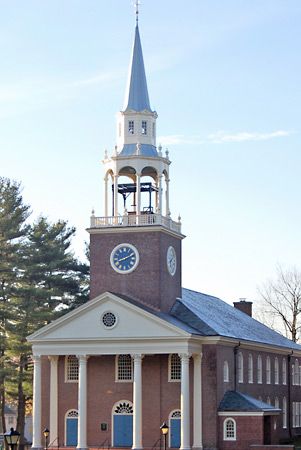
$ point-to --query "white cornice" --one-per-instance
(133, 229)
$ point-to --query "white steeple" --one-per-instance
(144, 198)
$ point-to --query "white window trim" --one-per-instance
(116, 370)
(240, 367)
(226, 372)
(276, 374)
(250, 369)
(225, 429)
(284, 371)
(66, 371)
(259, 369)
(170, 380)
(268, 370)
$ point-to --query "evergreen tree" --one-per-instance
(50, 282)
(13, 230)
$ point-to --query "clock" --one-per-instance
(171, 259)
(124, 258)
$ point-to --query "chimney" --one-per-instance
(244, 306)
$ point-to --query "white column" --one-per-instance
(106, 195)
(82, 402)
(53, 413)
(138, 195)
(167, 212)
(115, 195)
(137, 402)
(37, 403)
(197, 402)
(185, 405)
(160, 195)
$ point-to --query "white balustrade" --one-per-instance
(134, 220)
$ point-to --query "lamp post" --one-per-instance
(12, 438)
(164, 430)
(46, 434)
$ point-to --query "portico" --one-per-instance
(58, 339)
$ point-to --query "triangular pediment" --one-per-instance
(90, 322)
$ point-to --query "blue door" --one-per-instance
(175, 433)
(71, 431)
(123, 430)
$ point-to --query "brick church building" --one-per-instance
(143, 350)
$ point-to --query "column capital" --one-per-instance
(184, 357)
(53, 358)
(82, 359)
(137, 357)
(36, 358)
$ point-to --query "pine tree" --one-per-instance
(13, 229)
(51, 281)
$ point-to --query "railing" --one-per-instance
(157, 444)
(133, 220)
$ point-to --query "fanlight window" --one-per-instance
(229, 430)
(71, 363)
(123, 408)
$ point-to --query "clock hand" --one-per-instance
(126, 257)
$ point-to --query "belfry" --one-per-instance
(144, 350)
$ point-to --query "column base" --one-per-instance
(185, 448)
(197, 448)
(37, 448)
(137, 448)
(82, 448)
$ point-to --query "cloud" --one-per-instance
(221, 137)
(180, 139)
(244, 136)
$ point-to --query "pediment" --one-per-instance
(90, 322)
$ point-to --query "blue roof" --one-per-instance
(137, 94)
(237, 401)
(211, 316)
(145, 150)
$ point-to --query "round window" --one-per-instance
(109, 319)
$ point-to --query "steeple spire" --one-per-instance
(136, 97)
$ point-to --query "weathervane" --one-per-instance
(136, 4)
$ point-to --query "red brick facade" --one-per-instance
(150, 283)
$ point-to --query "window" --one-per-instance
(250, 369)
(124, 367)
(229, 430)
(296, 414)
(131, 127)
(71, 368)
(268, 370)
(144, 127)
(119, 129)
(226, 372)
(174, 368)
(268, 400)
(259, 369)
(240, 368)
(276, 371)
(284, 413)
(296, 373)
(154, 130)
(276, 402)
(283, 371)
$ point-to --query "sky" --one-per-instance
(224, 77)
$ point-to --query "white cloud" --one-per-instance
(244, 136)
(221, 137)
(180, 139)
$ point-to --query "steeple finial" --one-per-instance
(136, 4)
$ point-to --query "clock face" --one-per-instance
(171, 260)
(124, 258)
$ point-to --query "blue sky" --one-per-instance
(224, 77)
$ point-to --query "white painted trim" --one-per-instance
(225, 438)
(42, 332)
(135, 229)
(65, 423)
(248, 413)
(112, 417)
(116, 369)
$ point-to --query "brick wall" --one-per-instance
(150, 282)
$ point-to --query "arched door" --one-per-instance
(175, 429)
(123, 424)
(71, 427)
